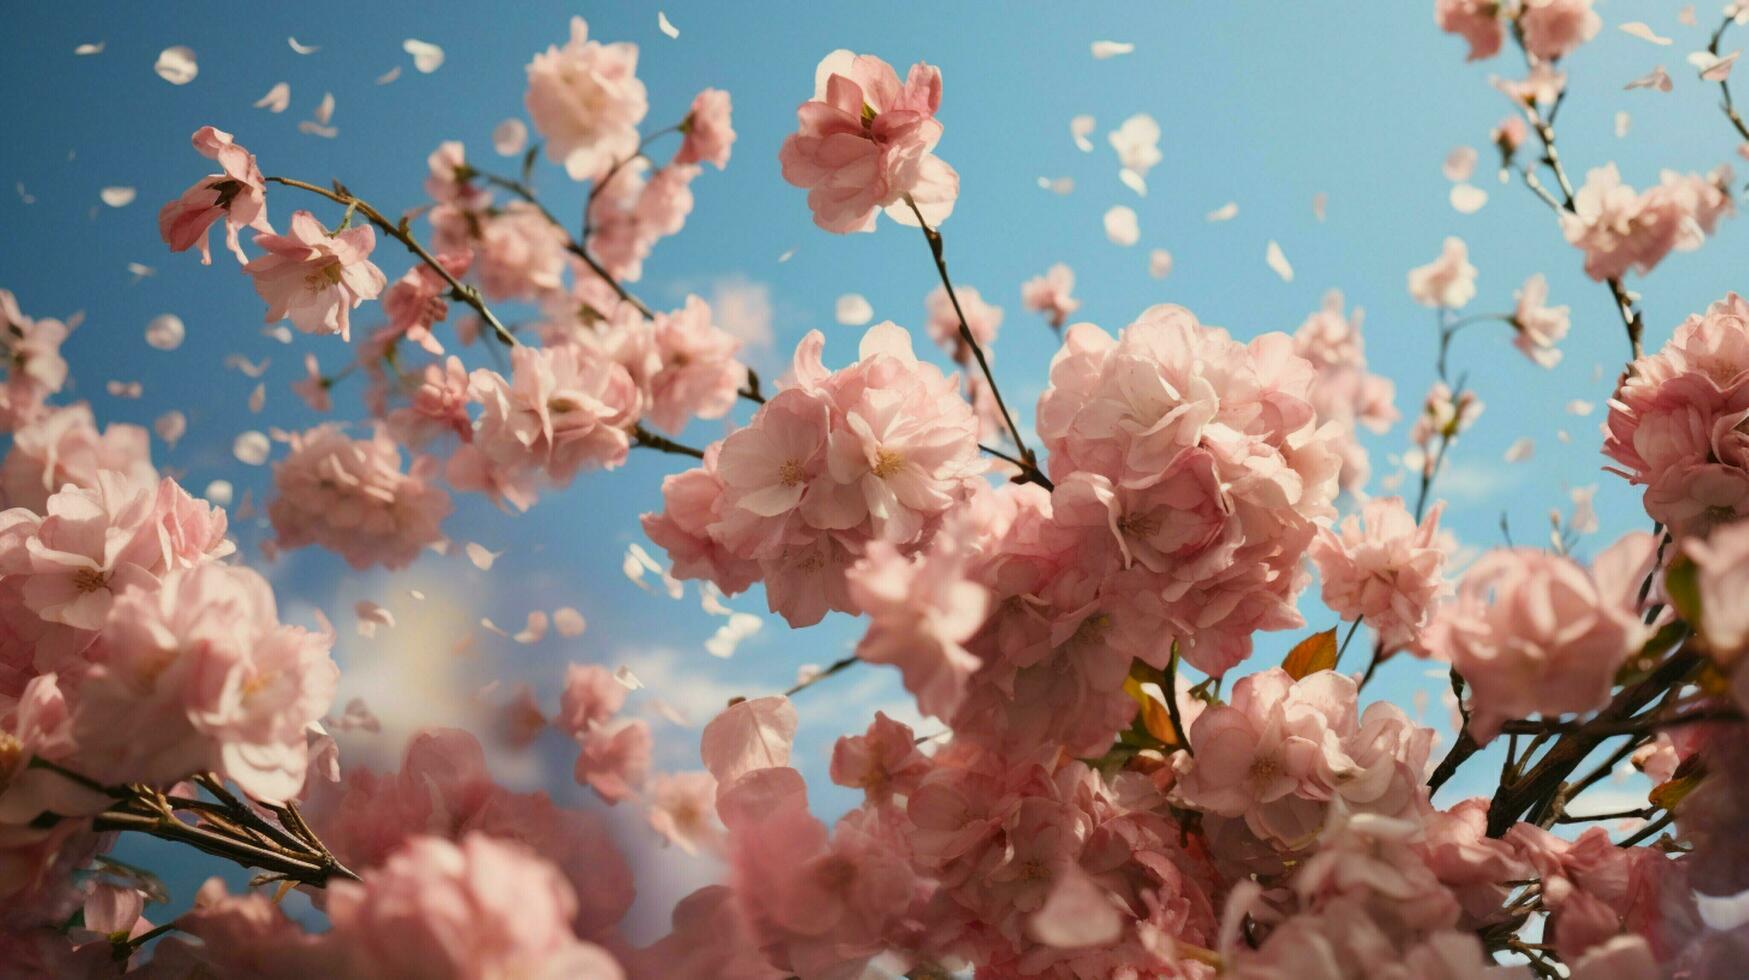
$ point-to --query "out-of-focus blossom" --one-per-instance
(707, 131)
(1539, 327)
(586, 100)
(1447, 282)
(1049, 294)
(1383, 568)
(351, 497)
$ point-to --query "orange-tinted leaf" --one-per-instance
(1671, 793)
(1312, 654)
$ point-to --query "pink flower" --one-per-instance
(591, 696)
(632, 214)
(418, 301)
(237, 195)
(1383, 568)
(34, 366)
(944, 324)
(920, 612)
(313, 278)
(691, 503)
(1619, 229)
(1554, 28)
(682, 808)
(480, 908)
(90, 547)
(1691, 500)
(1539, 327)
(563, 409)
(881, 763)
(450, 178)
(351, 497)
(1049, 294)
(438, 407)
(198, 674)
(614, 760)
(1345, 391)
(519, 253)
(313, 389)
(1721, 563)
(64, 447)
(586, 100)
(1534, 632)
(699, 376)
(1444, 415)
(1447, 282)
(1476, 21)
(865, 142)
(707, 131)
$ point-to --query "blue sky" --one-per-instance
(1262, 105)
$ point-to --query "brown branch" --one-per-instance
(1727, 105)
(650, 440)
(835, 667)
(573, 246)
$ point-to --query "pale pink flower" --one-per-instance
(1345, 391)
(478, 908)
(767, 467)
(707, 131)
(519, 253)
(1693, 499)
(64, 447)
(1444, 415)
(1539, 327)
(1620, 229)
(691, 503)
(91, 545)
(586, 100)
(1366, 861)
(418, 301)
(34, 366)
(699, 376)
(682, 808)
(634, 213)
(710, 940)
(1476, 21)
(1553, 29)
(198, 674)
(1447, 282)
(1534, 632)
(614, 759)
(314, 388)
(449, 180)
(1722, 575)
(1477, 868)
(562, 410)
(865, 142)
(190, 531)
(438, 407)
(313, 278)
(920, 612)
(351, 497)
(237, 195)
(590, 698)
(944, 324)
(883, 762)
(1049, 294)
(1384, 569)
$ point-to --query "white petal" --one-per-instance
(117, 197)
(124, 389)
(1121, 226)
(481, 556)
(1159, 263)
(627, 679)
(1520, 450)
(176, 65)
(1459, 164)
(251, 448)
(389, 76)
(277, 98)
(1579, 406)
(1057, 185)
(427, 57)
(1622, 121)
(165, 332)
(170, 427)
(1111, 49)
(1225, 212)
(1080, 128)
(665, 25)
(1278, 262)
(569, 622)
(1467, 198)
(90, 47)
(1634, 28)
(1134, 181)
(301, 48)
(509, 137)
(219, 492)
(853, 310)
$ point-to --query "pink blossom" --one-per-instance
(34, 366)
(1721, 564)
(1539, 327)
(920, 612)
(64, 447)
(944, 323)
(1620, 229)
(1534, 632)
(615, 759)
(437, 407)
(480, 908)
(1345, 392)
(418, 301)
(314, 388)
(91, 546)
(707, 131)
(691, 504)
(1554, 28)
(1049, 294)
(1384, 569)
(1477, 868)
(1444, 415)
(590, 698)
(632, 214)
(881, 763)
(449, 180)
(313, 278)
(1691, 500)
(682, 808)
(1447, 282)
(237, 195)
(562, 410)
(865, 142)
(1476, 21)
(699, 376)
(351, 497)
(198, 674)
(586, 100)
(710, 940)
(519, 253)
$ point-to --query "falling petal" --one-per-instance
(1634, 28)
(534, 628)
(665, 25)
(1657, 78)
(493, 628)
(281, 333)
(1564, 436)
(1159, 263)
(1080, 128)
(710, 599)
(219, 492)
(258, 397)
(389, 76)
(324, 113)
(277, 98)
(165, 332)
(176, 65)
(427, 57)
(90, 47)
(1720, 69)
(1134, 181)
(1121, 226)
(117, 197)
(728, 636)
(1520, 450)
(248, 367)
(1111, 49)
(1459, 164)
(1058, 185)
(509, 137)
(140, 270)
(1278, 262)
(627, 679)
(852, 310)
(481, 556)
(1225, 212)
(1320, 201)
(370, 616)
(1467, 198)
(786, 256)
(302, 48)
(1622, 120)
(251, 448)
(1579, 406)
(1685, 16)
(170, 427)
(24, 195)
(125, 389)
(569, 622)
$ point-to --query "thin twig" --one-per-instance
(650, 440)
(836, 666)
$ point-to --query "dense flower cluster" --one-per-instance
(1619, 228)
